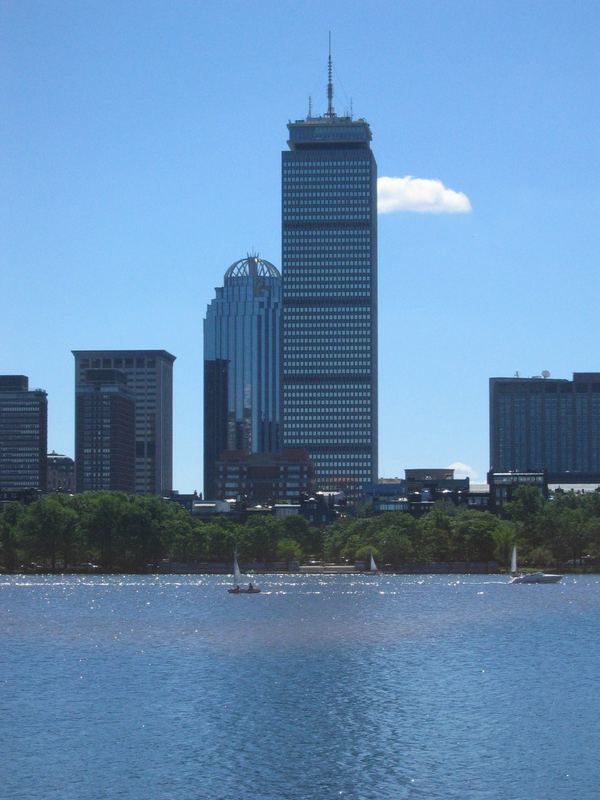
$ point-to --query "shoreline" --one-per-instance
(330, 570)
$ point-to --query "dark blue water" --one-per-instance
(393, 687)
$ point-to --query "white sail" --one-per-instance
(513, 561)
(373, 564)
(237, 575)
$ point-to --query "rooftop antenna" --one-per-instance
(309, 107)
(351, 109)
(330, 111)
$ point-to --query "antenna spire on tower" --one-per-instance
(330, 111)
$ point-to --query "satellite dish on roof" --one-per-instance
(545, 374)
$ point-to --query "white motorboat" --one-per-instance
(237, 579)
(530, 577)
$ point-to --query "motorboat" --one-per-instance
(536, 577)
(530, 577)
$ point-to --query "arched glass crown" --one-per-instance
(252, 267)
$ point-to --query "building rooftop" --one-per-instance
(123, 353)
(252, 267)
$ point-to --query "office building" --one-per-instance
(242, 365)
(104, 432)
(23, 434)
(545, 424)
(329, 268)
(149, 375)
(61, 473)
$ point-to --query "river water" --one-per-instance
(152, 688)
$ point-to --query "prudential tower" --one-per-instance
(329, 268)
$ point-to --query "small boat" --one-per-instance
(530, 577)
(373, 568)
(237, 579)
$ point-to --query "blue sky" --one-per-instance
(140, 155)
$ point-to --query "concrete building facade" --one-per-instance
(149, 375)
(104, 432)
(23, 434)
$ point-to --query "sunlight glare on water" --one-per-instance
(160, 687)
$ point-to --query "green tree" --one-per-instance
(49, 529)
(505, 538)
(288, 549)
(9, 535)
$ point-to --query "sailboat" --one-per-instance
(237, 579)
(531, 577)
(373, 568)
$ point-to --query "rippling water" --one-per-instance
(152, 688)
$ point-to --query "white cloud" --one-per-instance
(425, 195)
(462, 470)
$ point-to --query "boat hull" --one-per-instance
(243, 591)
(537, 577)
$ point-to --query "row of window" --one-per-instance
(315, 215)
(351, 167)
(117, 363)
(332, 292)
(333, 349)
(328, 235)
(326, 274)
(300, 312)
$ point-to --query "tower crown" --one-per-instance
(252, 267)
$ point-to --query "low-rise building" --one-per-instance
(61, 473)
(417, 491)
(264, 478)
(503, 486)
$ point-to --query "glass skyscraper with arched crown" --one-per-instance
(329, 268)
(242, 353)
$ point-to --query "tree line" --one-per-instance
(120, 532)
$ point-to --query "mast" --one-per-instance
(330, 112)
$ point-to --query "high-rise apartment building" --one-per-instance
(242, 365)
(542, 423)
(149, 376)
(23, 434)
(104, 432)
(329, 268)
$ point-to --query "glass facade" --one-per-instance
(329, 267)
(242, 364)
(545, 424)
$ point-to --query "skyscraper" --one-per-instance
(149, 376)
(23, 434)
(104, 432)
(242, 364)
(543, 423)
(329, 267)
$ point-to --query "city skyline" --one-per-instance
(136, 158)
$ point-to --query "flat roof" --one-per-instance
(134, 353)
